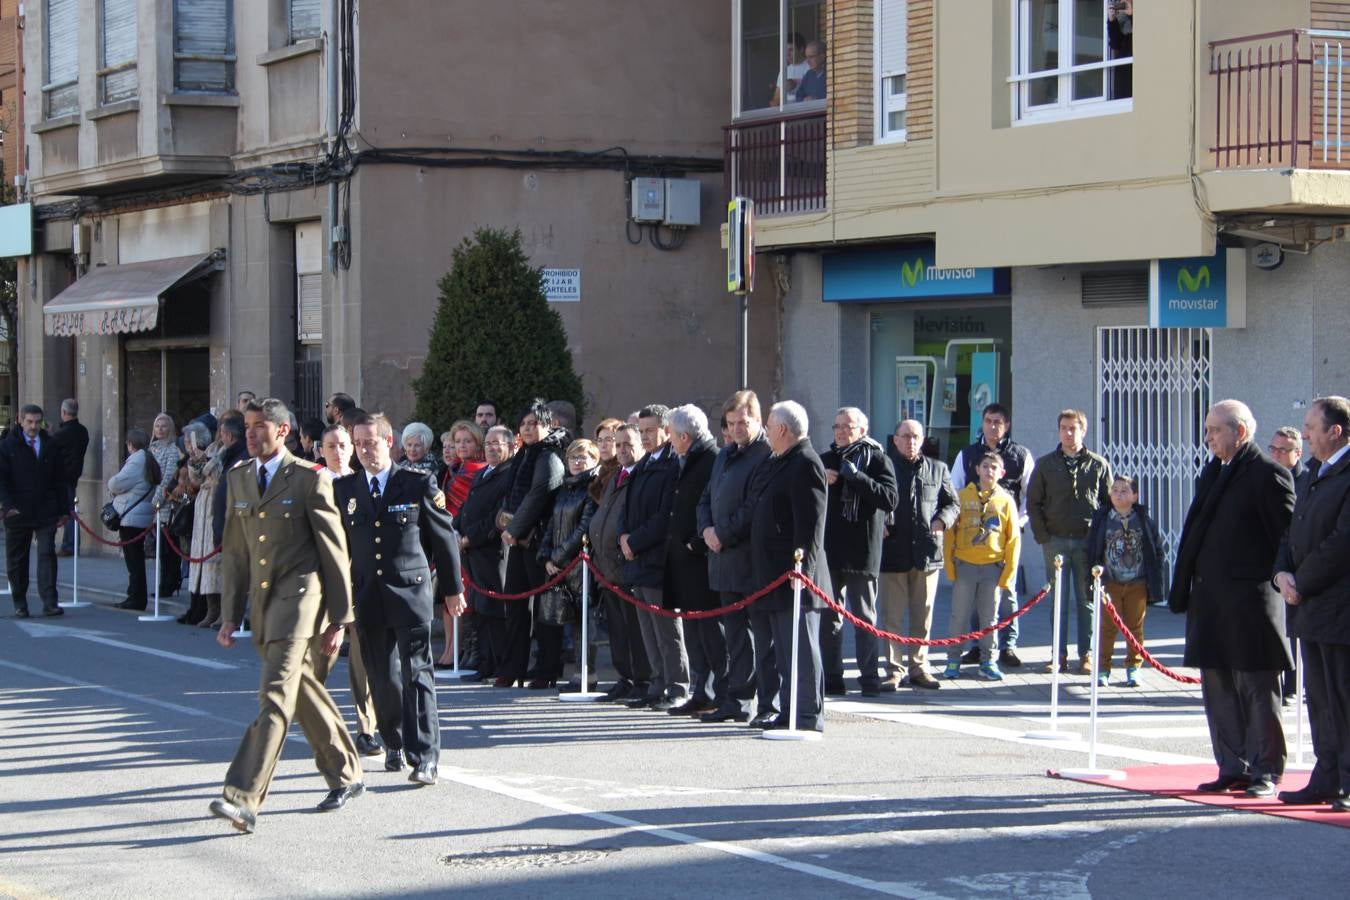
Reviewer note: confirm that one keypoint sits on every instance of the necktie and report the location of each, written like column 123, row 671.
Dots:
column 262, row 480
column 32, row 442
column 375, row 489
column 623, row 476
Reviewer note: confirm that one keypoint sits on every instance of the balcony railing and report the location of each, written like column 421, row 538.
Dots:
column 1281, row 100
column 777, row 162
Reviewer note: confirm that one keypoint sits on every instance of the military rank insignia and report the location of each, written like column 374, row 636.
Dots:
column 351, row 506
column 439, row 500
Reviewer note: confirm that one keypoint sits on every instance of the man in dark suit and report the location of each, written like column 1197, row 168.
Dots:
column 1286, row 448
column 788, row 491
column 1314, row 578
column 480, row 544
column 33, row 499
column 398, row 527
column 1235, row 630
column 73, row 440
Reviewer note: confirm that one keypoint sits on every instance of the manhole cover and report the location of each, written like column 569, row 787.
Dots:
column 528, row 856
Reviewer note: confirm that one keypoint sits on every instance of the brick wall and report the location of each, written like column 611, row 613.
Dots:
column 852, row 72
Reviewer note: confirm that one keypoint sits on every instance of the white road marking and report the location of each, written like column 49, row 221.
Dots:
column 111, row 692
column 39, row 630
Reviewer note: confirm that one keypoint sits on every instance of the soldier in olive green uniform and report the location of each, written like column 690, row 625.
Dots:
column 284, row 546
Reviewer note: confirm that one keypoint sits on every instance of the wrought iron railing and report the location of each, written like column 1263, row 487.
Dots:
column 778, row 162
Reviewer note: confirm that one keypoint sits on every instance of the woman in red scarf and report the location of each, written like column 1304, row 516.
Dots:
column 462, row 451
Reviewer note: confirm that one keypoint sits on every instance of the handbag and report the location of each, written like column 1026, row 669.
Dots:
column 111, row 518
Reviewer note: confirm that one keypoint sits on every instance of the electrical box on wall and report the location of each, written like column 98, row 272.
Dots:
column 649, row 199
column 682, row 201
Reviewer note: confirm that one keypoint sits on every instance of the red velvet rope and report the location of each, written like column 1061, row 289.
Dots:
column 183, row 556
column 1139, row 648
column 687, row 613
column 93, row 534
column 523, row 595
column 901, row 639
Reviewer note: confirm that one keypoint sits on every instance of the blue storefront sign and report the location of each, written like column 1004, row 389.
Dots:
column 1199, row 291
column 904, row 273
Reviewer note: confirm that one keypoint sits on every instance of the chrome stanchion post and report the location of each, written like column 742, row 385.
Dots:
column 791, row 733
column 75, row 602
column 454, row 644
column 1054, row 734
column 159, row 567
column 1298, row 763
column 1092, row 771
column 583, row 692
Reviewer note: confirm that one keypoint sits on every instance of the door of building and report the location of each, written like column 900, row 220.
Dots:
column 176, row 380
column 1154, row 387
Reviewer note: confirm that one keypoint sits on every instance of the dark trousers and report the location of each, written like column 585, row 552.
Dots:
column 1326, row 679
column 403, row 685
column 1243, row 711
column 810, row 675
column 858, row 593
column 626, row 650
column 767, row 679
column 524, row 572
column 491, row 644
column 548, row 664
column 740, row 689
column 18, row 539
column 707, row 644
column 134, row 556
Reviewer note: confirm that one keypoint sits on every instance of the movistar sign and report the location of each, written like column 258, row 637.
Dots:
column 1198, row 292
column 904, row 272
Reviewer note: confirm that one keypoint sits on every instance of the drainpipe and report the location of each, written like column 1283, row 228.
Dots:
column 334, row 60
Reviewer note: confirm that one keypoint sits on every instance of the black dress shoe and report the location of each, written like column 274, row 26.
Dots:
column 1308, row 796
column 639, row 702
column 1261, row 787
column 835, row 689
column 423, row 773
column 368, row 746
column 237, row 816
column 1224, row 783
column 1341, row 804
column 138, row 605
column 52, row 612
column 725, row 715
column 22, row 613
column 620, row 692
column 338, row 797
column 764, row 720
column 393, row 760
column 972, row 655
column 871, row 690
column 1008, row 658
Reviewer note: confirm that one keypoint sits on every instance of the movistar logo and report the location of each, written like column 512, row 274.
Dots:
column 911, row 274
column 1190, row 284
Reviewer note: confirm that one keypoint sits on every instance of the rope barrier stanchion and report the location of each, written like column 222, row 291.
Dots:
column 1092, row 771
column 1299, row 764
column 1054, row 734
column 791, row 733
column 583, row 693
column 156, row 616
column 453, row 671
column 75, row 602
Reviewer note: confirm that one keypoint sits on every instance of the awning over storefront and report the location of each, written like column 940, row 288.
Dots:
column 121, row 299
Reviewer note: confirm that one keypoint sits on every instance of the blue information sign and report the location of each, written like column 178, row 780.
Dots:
column 904, row 273
column 1198, row 291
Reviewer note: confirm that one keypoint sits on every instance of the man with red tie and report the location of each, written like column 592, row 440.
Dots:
column 33, row 503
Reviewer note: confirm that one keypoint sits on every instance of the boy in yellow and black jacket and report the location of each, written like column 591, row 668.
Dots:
column 981, row 552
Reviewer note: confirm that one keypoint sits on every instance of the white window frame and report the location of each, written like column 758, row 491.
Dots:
column 108, row 69
column 1065, row 107
column 885, row 99
column 62, row 81
column 784, row 106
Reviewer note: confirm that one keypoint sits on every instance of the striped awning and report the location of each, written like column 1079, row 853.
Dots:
column 120, row 299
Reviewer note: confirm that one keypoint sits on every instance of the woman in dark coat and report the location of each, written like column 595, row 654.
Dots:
column 535, row 479
column 480, row 543
column 561, row 605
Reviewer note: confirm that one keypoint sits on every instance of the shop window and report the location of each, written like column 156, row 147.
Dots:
column 117, row 51
column 1072, row 58
column 891, row 55
column 61, row 81
column 302, row 20
column 203, row 46
column 779, row 56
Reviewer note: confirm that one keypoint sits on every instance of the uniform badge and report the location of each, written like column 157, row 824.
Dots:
column 351, row 506
column 439, row 499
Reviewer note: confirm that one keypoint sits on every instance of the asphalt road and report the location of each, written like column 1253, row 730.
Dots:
column 116, row 734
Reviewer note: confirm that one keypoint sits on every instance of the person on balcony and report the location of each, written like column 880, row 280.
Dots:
column 812, row 85
column 794, row 69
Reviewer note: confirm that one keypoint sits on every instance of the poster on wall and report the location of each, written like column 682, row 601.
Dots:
column 983, row 388
column 911, row 391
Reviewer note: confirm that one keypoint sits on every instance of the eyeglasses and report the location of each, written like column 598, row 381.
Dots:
column 582, row 458
column 1274, row 449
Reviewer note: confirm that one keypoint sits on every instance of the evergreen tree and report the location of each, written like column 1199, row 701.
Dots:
column 494, row 337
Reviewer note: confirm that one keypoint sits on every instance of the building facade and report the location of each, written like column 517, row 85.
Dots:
column 1132, row 209
column 264, row 195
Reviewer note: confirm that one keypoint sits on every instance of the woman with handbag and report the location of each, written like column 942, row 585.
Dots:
column 132, row 512
column 561, row 604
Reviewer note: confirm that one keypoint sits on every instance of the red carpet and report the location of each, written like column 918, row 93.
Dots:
column 1180, row 782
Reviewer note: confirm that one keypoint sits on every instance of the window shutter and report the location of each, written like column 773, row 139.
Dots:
column 203, row 29
column 119, row 47
column 1115, row 288
column 63, row 57
column 309, row 282
column 304, row 20
column 892, row 28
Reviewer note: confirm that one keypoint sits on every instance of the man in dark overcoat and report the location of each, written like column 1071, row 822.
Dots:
column 789, row 495
column 397, row 528
column 1314, row 578
column 33, row 498
column 1235, row 631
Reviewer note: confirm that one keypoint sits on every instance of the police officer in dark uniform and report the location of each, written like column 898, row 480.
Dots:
column 397, row 528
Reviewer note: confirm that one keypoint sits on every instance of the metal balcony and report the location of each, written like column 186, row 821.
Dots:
column 778, row 162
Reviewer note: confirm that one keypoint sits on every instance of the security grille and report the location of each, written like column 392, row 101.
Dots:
column 1154, row 386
